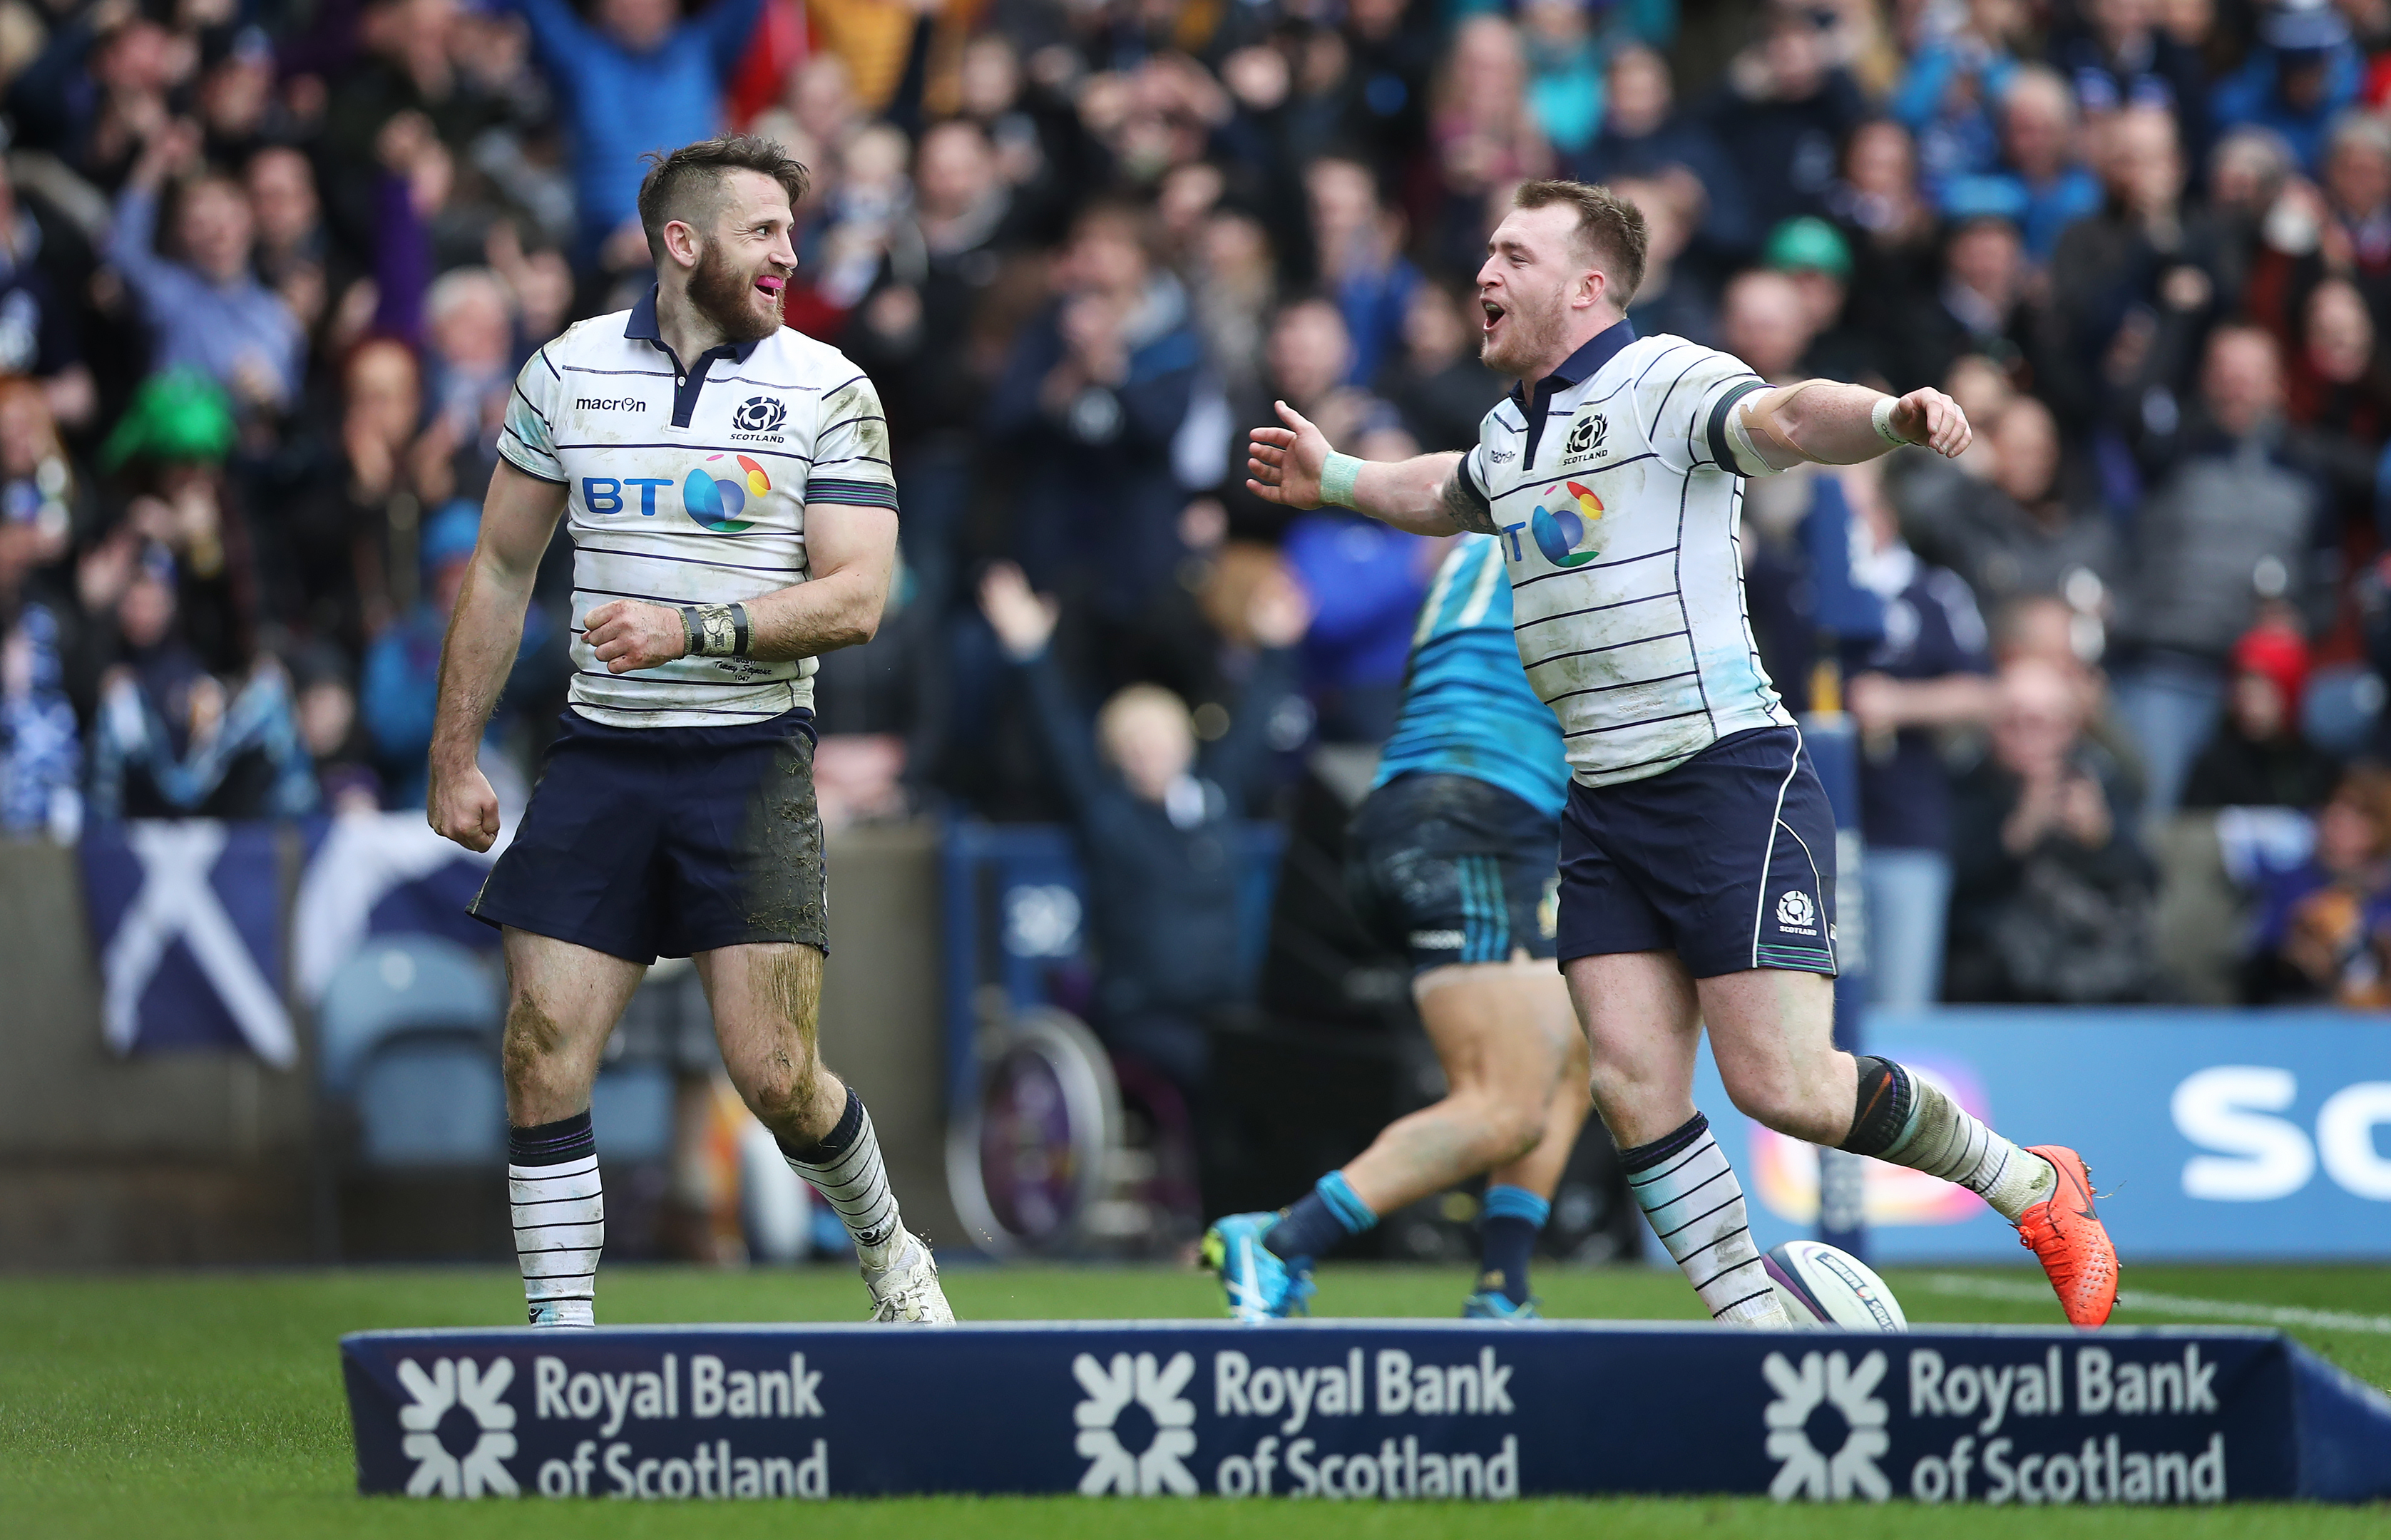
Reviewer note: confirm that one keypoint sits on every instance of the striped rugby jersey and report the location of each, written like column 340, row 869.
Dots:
column 1615, row 496
column 692, row 487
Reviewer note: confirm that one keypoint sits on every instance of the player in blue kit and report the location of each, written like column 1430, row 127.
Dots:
column 1452, row 862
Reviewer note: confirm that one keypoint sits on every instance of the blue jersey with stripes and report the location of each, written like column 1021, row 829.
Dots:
column 1467, row 706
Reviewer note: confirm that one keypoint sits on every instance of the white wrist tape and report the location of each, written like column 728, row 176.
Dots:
column 1336, row 478
column 1881, row 416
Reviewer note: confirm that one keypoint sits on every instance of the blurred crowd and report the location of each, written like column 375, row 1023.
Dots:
column 268, row 268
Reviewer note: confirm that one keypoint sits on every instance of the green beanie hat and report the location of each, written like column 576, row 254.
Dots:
column 180, row 415
column 1809, row 244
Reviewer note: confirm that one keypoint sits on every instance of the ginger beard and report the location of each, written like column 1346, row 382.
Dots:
column 742, row 303
column 1519, row 330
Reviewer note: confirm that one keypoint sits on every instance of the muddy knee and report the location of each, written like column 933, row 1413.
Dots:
column 532, row 1038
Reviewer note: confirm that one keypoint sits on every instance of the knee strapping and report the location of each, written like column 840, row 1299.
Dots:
column 1887, row 1099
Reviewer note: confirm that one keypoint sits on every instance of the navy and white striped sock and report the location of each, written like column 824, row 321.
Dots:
column 1508, row 1226
column 559, row 1218
column 1685, row 1187
column 1911, row 1122
column 845, row 1167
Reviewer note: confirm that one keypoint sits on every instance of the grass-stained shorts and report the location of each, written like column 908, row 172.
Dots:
column 667, row 841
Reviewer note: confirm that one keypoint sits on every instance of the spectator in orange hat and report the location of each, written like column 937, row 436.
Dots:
column 2258, row 759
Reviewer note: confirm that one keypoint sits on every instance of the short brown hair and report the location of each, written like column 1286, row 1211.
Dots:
column 687, row 182
column 1609, row 229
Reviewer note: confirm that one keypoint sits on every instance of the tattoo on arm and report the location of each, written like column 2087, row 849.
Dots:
column 1462, row 504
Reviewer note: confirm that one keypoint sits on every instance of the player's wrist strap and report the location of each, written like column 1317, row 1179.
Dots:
column 1336, row 478
column 715, row 630
column 1881, row 416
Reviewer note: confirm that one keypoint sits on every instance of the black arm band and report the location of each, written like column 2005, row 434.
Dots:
column 719, row 630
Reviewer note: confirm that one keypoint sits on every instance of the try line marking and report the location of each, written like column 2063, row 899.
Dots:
column 2171, row 1304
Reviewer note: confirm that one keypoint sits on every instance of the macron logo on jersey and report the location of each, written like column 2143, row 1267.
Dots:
column 607, row 404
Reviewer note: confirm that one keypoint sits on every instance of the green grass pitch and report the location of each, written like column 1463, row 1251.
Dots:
column 210, row 1405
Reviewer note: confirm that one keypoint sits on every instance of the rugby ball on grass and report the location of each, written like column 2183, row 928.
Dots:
column 1821, row 1287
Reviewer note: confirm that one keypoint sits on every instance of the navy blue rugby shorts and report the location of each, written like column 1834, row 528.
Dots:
column 668, row 841
column 1727, row 860
column 1448, row 869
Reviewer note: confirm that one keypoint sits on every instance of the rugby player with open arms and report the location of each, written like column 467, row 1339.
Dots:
column 1697, row 849
column 733, row 514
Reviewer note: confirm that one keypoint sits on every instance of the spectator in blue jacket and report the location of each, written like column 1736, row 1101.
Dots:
column 207, row 311
column 1154, row 818
column 636, row 80
column 2299, row 78
column 2041, row 183
column 401, row 679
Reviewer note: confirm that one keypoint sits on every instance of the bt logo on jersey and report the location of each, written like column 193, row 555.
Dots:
column 708, row 499
column 717, row 502
column 1563, row 528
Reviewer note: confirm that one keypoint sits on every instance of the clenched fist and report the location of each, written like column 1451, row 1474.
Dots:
column 461, row 806
column 1930, row 417
column 628, row 634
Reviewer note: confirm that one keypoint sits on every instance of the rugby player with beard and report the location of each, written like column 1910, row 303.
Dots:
column 726, row 485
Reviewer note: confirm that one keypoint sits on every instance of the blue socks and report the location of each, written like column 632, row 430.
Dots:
column 1508, row 1226
column 1319, row 1220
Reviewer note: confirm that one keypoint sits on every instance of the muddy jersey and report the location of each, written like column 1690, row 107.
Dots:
column 690, row 486
column 1615, row 496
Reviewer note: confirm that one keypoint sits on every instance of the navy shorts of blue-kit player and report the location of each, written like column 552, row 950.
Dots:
column 667, row 841
column 1726, row 859
column 1451, row 869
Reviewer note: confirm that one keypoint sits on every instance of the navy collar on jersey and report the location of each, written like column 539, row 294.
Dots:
column 643, row 327
column 1578, row 367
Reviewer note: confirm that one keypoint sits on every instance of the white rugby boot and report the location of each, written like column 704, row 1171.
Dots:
column 906, row 1288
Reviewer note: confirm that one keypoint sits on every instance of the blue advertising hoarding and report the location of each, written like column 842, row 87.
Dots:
column 2217, row 1134
column 1363, row 1410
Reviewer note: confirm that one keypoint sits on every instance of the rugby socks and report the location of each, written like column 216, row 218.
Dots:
column 1509, row 1224
column 845, row 1167
column 559, row 1218
column 1688, row 1192
column 1911, row 1122
column 1318, row 1220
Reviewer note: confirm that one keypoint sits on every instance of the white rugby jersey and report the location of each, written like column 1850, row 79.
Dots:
column 1616, row 496
column 690, row 487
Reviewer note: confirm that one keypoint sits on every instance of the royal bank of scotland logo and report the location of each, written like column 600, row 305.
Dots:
column 1111, row 1389
column 453, row 1383
column 1827, row 1379
column 761, row 414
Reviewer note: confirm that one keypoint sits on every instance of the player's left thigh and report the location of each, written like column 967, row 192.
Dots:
column 767, row 1002
column 1773, row 1034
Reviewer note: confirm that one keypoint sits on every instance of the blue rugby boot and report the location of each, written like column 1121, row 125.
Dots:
column 1492, row 1304
column 1261, row 1284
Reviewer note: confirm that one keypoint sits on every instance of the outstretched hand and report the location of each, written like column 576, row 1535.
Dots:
column 1022, row 618
column 1283, row 464
column 1933, row 419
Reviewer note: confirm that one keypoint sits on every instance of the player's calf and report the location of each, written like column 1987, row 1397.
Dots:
column 2045, row 1191
column 1909, row 1121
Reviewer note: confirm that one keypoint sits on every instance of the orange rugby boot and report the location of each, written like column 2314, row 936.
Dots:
column 2065, row 1234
